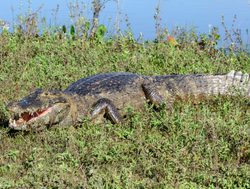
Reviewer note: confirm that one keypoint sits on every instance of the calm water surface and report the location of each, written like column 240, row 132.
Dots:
column 198, row 14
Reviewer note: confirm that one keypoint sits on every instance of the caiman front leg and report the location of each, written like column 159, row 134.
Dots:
column 107, row 107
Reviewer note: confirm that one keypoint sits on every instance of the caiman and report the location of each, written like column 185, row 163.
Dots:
column 107, row 95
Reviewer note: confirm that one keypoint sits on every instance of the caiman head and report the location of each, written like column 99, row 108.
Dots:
column 38, row 110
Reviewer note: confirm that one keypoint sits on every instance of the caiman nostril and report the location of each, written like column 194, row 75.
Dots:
column 9, row 105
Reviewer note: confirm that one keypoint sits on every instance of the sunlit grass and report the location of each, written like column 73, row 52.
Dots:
column 195, row 145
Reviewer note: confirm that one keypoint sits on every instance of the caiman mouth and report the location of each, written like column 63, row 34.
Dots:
column 21, row 120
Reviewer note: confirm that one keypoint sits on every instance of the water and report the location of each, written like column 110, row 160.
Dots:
column 198, row 14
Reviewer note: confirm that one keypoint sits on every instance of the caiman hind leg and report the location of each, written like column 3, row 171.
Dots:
column 152, row 95
column 106, row 106
column 155, row 98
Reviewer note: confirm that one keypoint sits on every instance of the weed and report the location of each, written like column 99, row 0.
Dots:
column 195, row 145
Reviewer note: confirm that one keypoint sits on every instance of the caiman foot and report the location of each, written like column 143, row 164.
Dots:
column 106, row 106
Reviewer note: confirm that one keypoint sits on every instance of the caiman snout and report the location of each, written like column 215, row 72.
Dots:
column 38, row 109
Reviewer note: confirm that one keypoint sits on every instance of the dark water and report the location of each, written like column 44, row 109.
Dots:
column 198, row 14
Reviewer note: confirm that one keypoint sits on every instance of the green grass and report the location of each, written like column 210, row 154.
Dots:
column 204, row 145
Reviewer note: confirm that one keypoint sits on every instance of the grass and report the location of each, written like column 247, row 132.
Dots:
column 202, row 145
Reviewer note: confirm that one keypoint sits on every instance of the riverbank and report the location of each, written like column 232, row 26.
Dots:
column 203, row 145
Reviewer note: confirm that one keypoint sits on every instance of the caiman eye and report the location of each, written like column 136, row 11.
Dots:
column 45, row 94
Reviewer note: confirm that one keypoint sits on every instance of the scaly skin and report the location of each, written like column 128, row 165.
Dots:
column 110, row 93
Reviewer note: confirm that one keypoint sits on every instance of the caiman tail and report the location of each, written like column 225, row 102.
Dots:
column 233, row 83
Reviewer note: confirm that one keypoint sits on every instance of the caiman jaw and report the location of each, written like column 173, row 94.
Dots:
column 20, row 121
column 38, row 110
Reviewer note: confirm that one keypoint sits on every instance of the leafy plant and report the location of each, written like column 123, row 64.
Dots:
column 201, row 144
